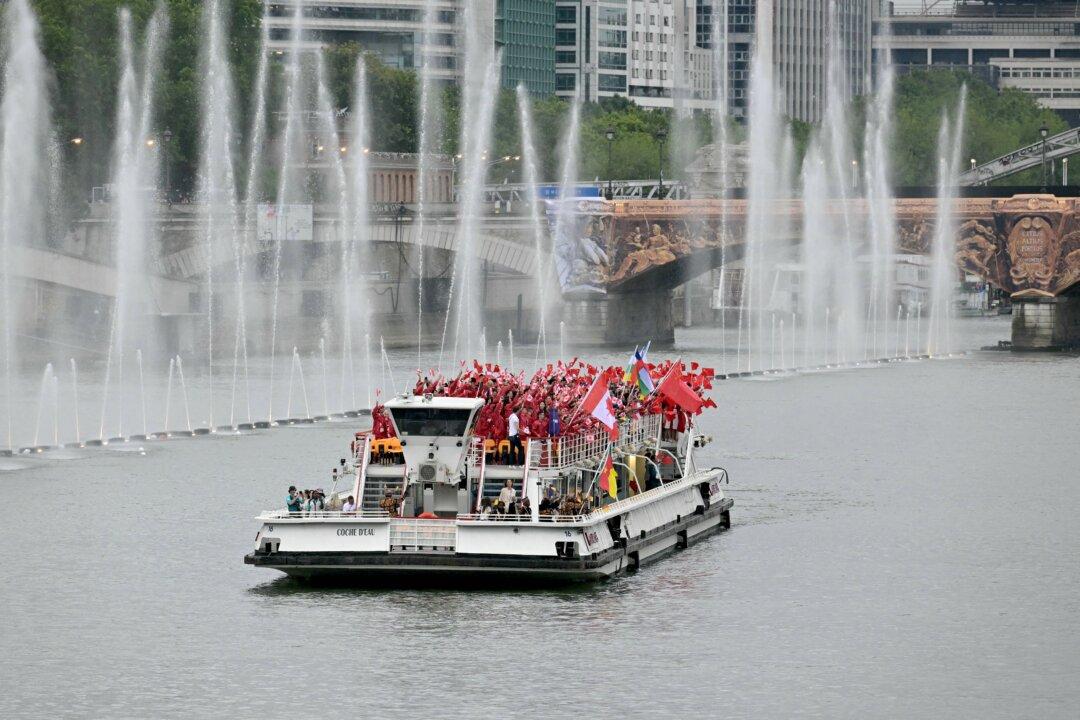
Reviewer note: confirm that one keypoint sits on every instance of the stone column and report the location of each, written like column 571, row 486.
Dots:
column 637, row 317
column 1046, row 323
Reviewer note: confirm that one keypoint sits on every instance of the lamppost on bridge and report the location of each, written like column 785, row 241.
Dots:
column 610, row 135
column 167, row 137
column 1065, row 171
column 1043, row 132
column 661, row 136
column 972, row 164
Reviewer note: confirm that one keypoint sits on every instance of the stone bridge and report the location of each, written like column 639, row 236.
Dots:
column 639, row 250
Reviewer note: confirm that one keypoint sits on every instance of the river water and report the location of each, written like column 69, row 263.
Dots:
column 904, row 544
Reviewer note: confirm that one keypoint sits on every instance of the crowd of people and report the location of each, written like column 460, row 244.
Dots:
column 553, row 505
column 305, row 501
column 548, row 404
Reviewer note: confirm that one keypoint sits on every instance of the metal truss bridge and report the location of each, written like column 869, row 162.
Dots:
column 1032, row 156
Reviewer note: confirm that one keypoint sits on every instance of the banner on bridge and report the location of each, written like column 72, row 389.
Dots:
column 284, row 222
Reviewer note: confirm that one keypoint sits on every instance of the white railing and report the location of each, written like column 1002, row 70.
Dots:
column 597, row 513
column 323, row 515
column 495, row 517
column 362, row 468
column 416, row 534
column 571, row 450
column 640, row 431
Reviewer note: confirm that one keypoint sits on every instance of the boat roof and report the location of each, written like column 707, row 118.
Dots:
column 441, row 403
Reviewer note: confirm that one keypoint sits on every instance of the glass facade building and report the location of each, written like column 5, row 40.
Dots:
column 525, row 32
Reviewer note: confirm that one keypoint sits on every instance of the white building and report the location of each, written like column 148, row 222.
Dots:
column 649, row 49
column 1032, row 46
column 393, row 31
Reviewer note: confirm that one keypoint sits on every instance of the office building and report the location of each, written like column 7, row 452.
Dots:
column 395, row 32
column 1032, row 46
column 660, row 52
column 525, row 32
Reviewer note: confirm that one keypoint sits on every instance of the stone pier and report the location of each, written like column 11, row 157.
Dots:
column 637, row 317
column 1046, row 323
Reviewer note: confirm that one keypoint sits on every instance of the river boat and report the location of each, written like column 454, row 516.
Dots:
column 424, row 514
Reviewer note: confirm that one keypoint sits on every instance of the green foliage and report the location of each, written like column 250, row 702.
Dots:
column 81, row 43
column 995, row 123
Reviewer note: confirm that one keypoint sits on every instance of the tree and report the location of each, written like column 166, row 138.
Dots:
column 996, row 123
column 81, row 44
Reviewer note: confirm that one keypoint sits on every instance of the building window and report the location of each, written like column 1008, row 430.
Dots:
column 612, row 83
column 565, row 56
column 565, row 81
column 565, row 36
column 565, row 14
column 612, row 60
column 612, row 38
column 612, row 16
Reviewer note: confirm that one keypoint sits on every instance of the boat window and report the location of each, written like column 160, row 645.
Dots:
column 431, row 421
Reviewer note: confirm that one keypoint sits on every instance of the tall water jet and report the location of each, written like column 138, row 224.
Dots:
column 764, row 179
column 943, row 249
column 256, row 138
column 24, row 144
column 338, row 190
column 430, row 136
column 134, row 177
column 816, row 249
column 217, row 175
column 841, row 164
column 357, row 254
column 882, row 214
column 481, row 80
column 286, row 182
column 528, row 154
column 719, row 42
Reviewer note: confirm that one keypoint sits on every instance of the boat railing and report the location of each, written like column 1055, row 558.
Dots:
column 568, row 451
column 499, row 518
column 323, row 514
column 602, row 511
column 422, row 534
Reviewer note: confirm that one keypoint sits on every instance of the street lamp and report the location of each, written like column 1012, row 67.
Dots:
column 972, row 164
column 610, row 135
column 76, row 141
column 167, row 137
column 1043, row 132
column 1065, row 171
column 854, row 174
column 661, row 136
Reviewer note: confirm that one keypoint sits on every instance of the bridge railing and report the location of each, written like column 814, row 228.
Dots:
column 1025, row 158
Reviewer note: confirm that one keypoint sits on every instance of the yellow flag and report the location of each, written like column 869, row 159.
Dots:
column 609, row 479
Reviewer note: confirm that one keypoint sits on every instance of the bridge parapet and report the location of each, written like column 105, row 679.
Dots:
column 1027, row 245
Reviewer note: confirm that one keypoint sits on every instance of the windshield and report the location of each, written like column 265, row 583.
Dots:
column 431, row 421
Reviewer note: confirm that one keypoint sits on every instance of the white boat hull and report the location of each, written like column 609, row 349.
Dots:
column 392, row 551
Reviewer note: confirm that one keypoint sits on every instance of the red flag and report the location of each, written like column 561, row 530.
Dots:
column 599, row 404
column 674, row 388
